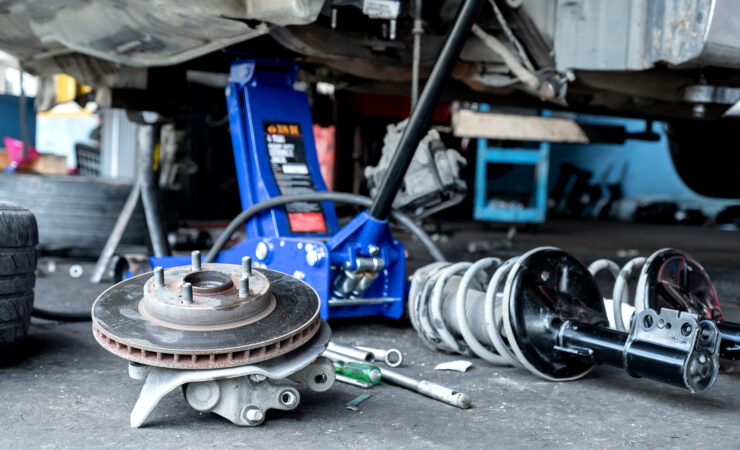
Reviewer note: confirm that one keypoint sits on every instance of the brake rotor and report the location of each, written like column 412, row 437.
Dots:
column 158, row 322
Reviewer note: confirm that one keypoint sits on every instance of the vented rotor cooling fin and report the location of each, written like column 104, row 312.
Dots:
column 185, row 319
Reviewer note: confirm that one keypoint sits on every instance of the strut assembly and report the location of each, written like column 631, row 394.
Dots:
column 669, row 278
column 543, row 311
column 225, row 333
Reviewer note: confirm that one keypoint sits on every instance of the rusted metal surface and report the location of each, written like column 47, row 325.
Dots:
column 206, row 360
column 280, row 314
column 139, row 33
column 216, row 306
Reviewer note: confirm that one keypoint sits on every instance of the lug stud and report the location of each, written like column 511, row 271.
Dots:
column 158, row 276
column 195, row 260
column 187, row 293
column 247, row 266
column 244, row 286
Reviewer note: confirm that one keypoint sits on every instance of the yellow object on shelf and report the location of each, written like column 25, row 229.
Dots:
column 67, row 88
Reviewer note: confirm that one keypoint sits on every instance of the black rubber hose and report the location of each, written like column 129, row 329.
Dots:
column 61, row 316
column 336, row 197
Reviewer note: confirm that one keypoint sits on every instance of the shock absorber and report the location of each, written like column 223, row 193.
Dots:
column 543, row 311
column 671, row 278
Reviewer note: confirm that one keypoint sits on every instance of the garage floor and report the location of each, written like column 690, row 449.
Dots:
column 69, row 392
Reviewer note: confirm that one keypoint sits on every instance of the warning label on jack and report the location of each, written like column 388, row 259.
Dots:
column 290, row 169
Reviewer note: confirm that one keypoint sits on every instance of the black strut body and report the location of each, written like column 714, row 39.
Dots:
column 729, row 347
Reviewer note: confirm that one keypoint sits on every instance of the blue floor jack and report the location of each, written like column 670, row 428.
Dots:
column 358, row 270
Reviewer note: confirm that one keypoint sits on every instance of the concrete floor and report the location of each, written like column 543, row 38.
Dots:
column 66, row 391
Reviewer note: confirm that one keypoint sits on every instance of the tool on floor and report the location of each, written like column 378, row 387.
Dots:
column 543, row 311
column 225, row 333
column 361, row 372
column 669, row 278
column 423, row 387
column 352, row 381
column 354, row 404
column 357, row 270
column 352, row 352
column 392, row 357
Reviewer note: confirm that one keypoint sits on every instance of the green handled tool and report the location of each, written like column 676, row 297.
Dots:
column 361, row 372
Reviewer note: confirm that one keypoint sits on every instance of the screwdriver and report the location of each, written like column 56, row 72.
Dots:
column 360, row 372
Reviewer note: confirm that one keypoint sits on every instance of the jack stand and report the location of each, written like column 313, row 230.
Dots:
column 143, row 187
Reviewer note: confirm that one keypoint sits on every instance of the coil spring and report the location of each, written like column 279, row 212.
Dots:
column 667, row 266
column 621, row 306
column 438, row 298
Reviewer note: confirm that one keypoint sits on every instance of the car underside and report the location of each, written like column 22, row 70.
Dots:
column 673, row 60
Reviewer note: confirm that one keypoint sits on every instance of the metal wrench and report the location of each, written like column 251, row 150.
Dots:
column 392, row 356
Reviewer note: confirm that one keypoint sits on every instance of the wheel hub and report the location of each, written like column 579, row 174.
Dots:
column 236, row 333
column 204, row 319
column 215, row 305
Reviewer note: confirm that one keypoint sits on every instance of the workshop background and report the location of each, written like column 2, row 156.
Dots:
column 371, row 223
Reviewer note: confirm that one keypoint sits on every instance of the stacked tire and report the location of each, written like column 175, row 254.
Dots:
column 18, row 239
column 74, row 212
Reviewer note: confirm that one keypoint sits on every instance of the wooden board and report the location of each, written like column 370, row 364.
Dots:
column 474, row 124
